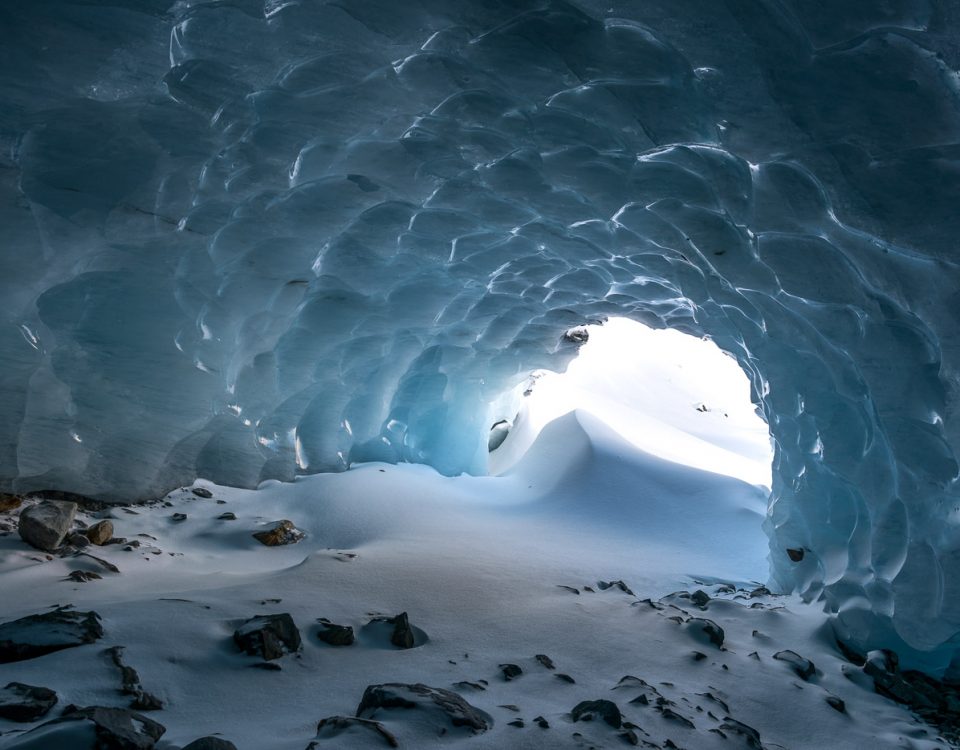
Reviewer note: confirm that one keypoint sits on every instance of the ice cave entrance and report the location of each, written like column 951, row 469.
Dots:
column 673, row 395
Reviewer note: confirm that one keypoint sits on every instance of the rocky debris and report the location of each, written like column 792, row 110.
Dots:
column 228, row 516
column 448, row 707
column 565, row 678
column 545, row 661
column 335, row 635
column 541, row 722
column 210, row 743
column 803, row 668
column 202, row 492
column 571, row 589
column 83, row 576
column 9, row 502
column 705, row 631
column 19, row 702
column 100, row 533
column 268, row 636
column 604, row 585
column 130, row 683
column 748, row 734
column 283, row 532
column 668, row 713
column 45, row 524
column 334, row 726
column 701, row 598
column 36, row 635
column 402, row 636
column 510, row 671
column 518, row 723
column 113, row 729
column 599, row 709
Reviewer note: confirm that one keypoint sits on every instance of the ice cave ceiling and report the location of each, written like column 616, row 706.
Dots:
column 242, row 239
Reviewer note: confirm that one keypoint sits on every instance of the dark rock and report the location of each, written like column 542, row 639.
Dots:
column 671, row 715
column 19, row 702
column 267, row 666
column 447, row 706
column 577, row 335
column 795, row 554
column 836, row 704
column 565, row 678
column 803, row 668
column 466, row 685
column 541, row 722
column 630, row 737
column 114, row 729
column 334, row 726
column 699, row 656
column 210, row 743
column 518, row 723
column 510, row 671
column 100, row 533
column 545, row 661
column 748, row 734
column 78, row 540
column 178, row 517
column 283, row 532
column 202, row 492
column 571, row 589
column 599, row 709
column 9, row 502
column 705, row 631
column 228, row 516
column 700, row 598
column 45, row 524
column 130, row 683
column 335, row 635
column 84, row 576
column 604, row 585
column 36, row 635
column 402, row 636
column 268, row 636
column 918, row 693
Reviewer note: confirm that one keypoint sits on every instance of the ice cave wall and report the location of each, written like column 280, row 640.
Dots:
column 245, row 239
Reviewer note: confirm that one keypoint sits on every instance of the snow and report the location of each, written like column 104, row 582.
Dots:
column 482, row 566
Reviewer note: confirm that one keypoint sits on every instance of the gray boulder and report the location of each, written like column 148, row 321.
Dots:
column 45, row 524
column 94, row 728
column 445, row 707
column 19, row 702
column 36, row 635
column 268, row 636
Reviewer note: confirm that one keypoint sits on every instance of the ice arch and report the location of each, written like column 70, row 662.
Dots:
column 243, row 238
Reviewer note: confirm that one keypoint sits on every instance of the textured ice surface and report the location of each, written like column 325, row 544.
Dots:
column 244, row 239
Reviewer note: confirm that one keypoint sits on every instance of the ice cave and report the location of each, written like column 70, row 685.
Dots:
column 246, row 241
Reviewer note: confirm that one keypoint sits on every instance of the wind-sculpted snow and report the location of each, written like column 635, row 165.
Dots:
column 243, row 240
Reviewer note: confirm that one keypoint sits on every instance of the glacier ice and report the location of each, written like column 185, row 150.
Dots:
column 248, row 238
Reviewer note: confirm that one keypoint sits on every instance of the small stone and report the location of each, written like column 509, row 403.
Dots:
column 510, row 671
column 45, row 524
column 545, row 661
column 836, row 704
column 228, row 516
column 78, row 540
column 803, row 668
column 267, row 666
column 268, row 636
column 84, row 576
column 599, row 709
column 748, row 734
column 700, row 598
column 706, row 631
column 565, row 678
column 518, row 723
column 402, row 636
column 541, row 722
column 19, row 702
column 604, row 585
column 336, row 635
column 210, row 743
column 178, row 517
column 100, row 533
column 283, row 532
column 202, row 492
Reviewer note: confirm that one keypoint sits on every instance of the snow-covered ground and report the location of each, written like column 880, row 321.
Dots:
column 492, row 571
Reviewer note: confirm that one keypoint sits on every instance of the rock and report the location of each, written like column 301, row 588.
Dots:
column 36, row 635
column 335, row 635
column 100, row 533
column 700, row 598
column 402, row 636
column 795, row 554
column 178, row 517
column 84, row 576
column 446, row 707
column 94, row 728
column 210, row 743
column 228, row 516
column 268, row 635
column 78, row 540
column 705, row 631
column 9, row 502
column 45, row 524
column 837, row 704
column 599, row 709
column 671, row 715
column 804, row 668
column 565, row 678
column 518, row 723
column 334, row 726
column 545, row 661
column 604, row 585
column 283, row 532
column 750, row 736
column 510, row 671
column 19, row 702
column 130, row 683
column 577, row 335
column 202, row 492
column 541, row 722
